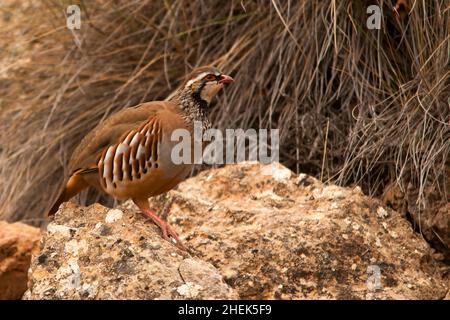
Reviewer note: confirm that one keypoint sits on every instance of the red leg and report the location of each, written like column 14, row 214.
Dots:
column 166, row 229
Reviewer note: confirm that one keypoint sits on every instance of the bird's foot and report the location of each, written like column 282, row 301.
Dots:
column 167, row 231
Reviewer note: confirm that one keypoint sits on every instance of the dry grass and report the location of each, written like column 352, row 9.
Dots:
column 310, row 68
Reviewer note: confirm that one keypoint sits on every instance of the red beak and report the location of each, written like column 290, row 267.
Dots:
column 224, row 79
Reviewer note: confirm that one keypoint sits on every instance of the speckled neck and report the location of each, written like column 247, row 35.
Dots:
column 194, row 108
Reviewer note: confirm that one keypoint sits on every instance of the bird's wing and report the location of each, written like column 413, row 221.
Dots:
column 85, row 157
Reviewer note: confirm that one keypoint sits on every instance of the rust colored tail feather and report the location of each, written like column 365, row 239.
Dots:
column 75, row 185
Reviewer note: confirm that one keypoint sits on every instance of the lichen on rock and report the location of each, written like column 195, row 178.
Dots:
column 255, row 232
column 115, row 254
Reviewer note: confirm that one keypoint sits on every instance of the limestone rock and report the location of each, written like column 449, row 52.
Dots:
column 432, row 218
column 101, row 253
column 270, row 234
column 275, row 235
column 17, row 242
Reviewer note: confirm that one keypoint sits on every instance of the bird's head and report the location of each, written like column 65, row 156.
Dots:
column 203, row 83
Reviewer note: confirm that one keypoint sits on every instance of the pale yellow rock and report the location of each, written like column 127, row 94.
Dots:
column 258, row 233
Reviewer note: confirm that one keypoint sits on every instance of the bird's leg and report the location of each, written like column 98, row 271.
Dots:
column 166, row 229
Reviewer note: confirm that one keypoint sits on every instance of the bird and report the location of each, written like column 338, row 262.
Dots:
column 128, row 155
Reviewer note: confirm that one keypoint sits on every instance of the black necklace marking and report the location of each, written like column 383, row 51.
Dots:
column 201, row 103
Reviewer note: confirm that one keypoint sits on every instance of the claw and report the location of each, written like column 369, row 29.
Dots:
column 167, row 232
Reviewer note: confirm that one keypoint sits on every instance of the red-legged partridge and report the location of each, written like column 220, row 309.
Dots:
column 129, row 154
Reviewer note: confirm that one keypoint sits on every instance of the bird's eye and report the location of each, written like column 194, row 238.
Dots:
column 210, row 77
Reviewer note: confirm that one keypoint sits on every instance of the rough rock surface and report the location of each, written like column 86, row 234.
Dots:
column 269, row 233
column 273, row 234
column 433, row 220
column 101, row 253
column 17, row 242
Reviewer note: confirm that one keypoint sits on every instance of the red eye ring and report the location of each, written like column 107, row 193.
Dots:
column 210, row 77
